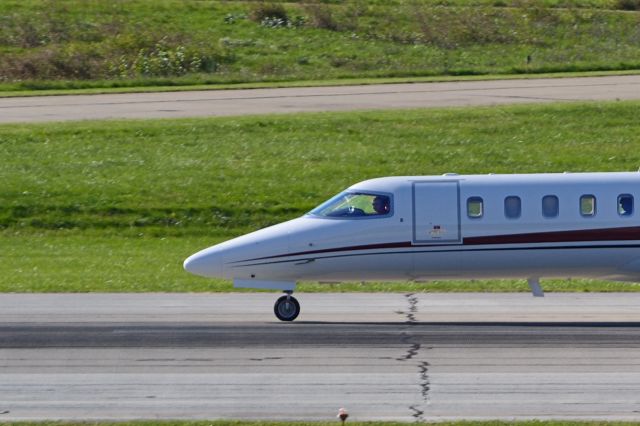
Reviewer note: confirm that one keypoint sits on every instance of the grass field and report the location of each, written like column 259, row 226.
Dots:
column 66, row 44
column 117, row 206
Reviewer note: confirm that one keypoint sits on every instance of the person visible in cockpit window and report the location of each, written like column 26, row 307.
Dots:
column 381, row 205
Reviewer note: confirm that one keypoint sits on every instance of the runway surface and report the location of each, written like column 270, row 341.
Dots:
column 339, row 98
column 382, row 356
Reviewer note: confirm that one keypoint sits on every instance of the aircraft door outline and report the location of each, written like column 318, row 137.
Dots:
column 436, row 212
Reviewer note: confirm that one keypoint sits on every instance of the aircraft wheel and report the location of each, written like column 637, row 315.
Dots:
column 286, row 308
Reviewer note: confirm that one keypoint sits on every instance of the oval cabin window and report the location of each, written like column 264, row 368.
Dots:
column 512, row 207
column 475, row 208
column 588, row 205
column 550, row 206
column 625, row 205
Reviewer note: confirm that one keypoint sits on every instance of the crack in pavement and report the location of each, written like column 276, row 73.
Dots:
column 412, row 352
column 425, row 383
column 413, row 308
column 417, row 413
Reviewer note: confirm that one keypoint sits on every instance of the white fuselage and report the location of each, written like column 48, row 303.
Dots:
column 447, row 227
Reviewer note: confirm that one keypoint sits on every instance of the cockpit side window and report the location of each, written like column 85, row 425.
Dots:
column 354, row 205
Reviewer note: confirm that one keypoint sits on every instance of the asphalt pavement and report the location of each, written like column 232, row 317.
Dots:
column 394, row 356
column 315, row 99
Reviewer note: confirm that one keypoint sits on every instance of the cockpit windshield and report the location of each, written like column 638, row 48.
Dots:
column 354, row 204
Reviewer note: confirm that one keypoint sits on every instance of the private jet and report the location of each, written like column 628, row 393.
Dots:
column 421, row 228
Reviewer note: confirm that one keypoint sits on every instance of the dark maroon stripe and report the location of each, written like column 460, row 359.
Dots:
column 348, row 248
column 580, row 235
column 606, row 234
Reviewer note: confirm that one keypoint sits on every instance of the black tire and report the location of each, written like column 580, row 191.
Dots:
column 286, row 308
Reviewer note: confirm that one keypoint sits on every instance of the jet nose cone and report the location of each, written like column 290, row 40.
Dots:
column 207, row 263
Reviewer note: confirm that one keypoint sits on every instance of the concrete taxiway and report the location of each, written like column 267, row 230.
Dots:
column 382, row 356
column 337, row 98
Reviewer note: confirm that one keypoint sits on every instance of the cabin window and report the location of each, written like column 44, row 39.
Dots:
column 512, row 207
column 550, row 206
column 588, row 205
column 475, row 207
column 625, row 205
column 354, row 205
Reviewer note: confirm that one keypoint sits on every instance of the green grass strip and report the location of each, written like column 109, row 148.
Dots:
column 117, row 206
column 82, row 262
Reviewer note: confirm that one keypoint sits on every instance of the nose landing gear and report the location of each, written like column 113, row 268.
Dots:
column 286, row 307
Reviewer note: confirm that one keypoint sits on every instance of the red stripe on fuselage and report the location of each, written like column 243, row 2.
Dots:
column 579, row 235
column 404, row 244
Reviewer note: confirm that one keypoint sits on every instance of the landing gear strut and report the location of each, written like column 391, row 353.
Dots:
column 536, row 289
column 287, row 307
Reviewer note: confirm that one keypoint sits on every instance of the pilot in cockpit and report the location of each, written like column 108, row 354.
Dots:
column 381, row 204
